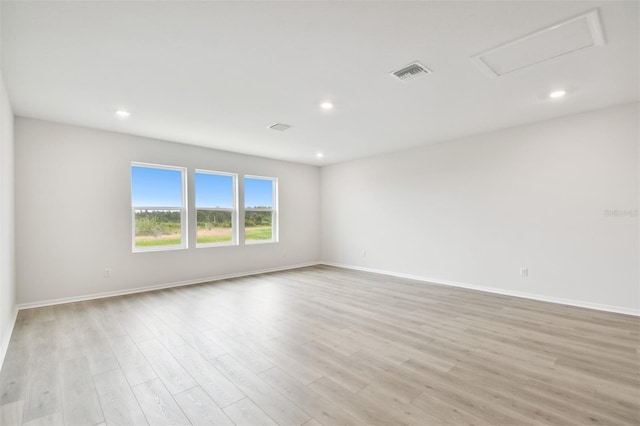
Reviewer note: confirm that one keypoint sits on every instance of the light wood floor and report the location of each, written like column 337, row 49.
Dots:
column 320, row 346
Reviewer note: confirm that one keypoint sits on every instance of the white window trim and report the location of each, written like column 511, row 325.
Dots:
column 275, row 237
column 184, row 237
column 234, row 210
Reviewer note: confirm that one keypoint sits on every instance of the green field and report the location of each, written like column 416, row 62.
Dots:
column 258, row 233
column 251, row 234
column 158, row 242
column 214, row 239
column 162, row 228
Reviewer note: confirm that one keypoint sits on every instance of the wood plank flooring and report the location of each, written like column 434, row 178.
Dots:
column 320, row 346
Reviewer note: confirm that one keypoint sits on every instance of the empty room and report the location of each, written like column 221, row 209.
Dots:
column 315, row 213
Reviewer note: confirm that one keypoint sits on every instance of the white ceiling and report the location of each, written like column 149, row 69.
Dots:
column 217, row 74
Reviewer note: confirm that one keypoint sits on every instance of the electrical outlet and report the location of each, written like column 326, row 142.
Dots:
column 524, row 272
column 107, row 273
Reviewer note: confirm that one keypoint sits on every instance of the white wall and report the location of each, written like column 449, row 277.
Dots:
column 7, row 248
column 73, row 219
column 470, row 212
column 473, row 211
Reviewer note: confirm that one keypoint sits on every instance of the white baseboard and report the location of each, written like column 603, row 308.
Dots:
column 561, row 301
column 4, row 344
column 158, row 286
column 558, row 300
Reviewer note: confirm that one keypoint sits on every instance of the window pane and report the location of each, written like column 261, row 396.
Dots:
column 258, row 226
column 214, row 227
column 214, row 191
column 157, row 203
column 155, row 187
column 258, row 193
column 156, row 228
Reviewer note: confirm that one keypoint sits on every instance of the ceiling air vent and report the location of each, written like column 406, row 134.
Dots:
column 280, row 127
column 411, row 71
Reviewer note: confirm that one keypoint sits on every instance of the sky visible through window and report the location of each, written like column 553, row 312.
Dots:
column 214, row 191
column 156, row 187
column 258, row 193
column 153, row 187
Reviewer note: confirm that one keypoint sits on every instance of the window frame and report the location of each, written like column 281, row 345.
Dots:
column 184, row 236
column 275, row 237
column 234, row 208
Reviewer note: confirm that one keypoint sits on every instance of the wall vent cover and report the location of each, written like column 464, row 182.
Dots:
column 566, row 37
column 412, row 71
column 280, row 127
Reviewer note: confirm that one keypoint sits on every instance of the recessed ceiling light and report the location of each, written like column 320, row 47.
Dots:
column 122, row 113
column 319, row 155
column 557, row 94
column 326, row 106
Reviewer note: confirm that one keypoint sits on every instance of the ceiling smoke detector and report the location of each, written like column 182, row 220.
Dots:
column 281, row 127
column 412, row 71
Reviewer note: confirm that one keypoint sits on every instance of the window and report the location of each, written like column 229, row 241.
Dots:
column 260, row 209
column 158, row 207
column 216, row 210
